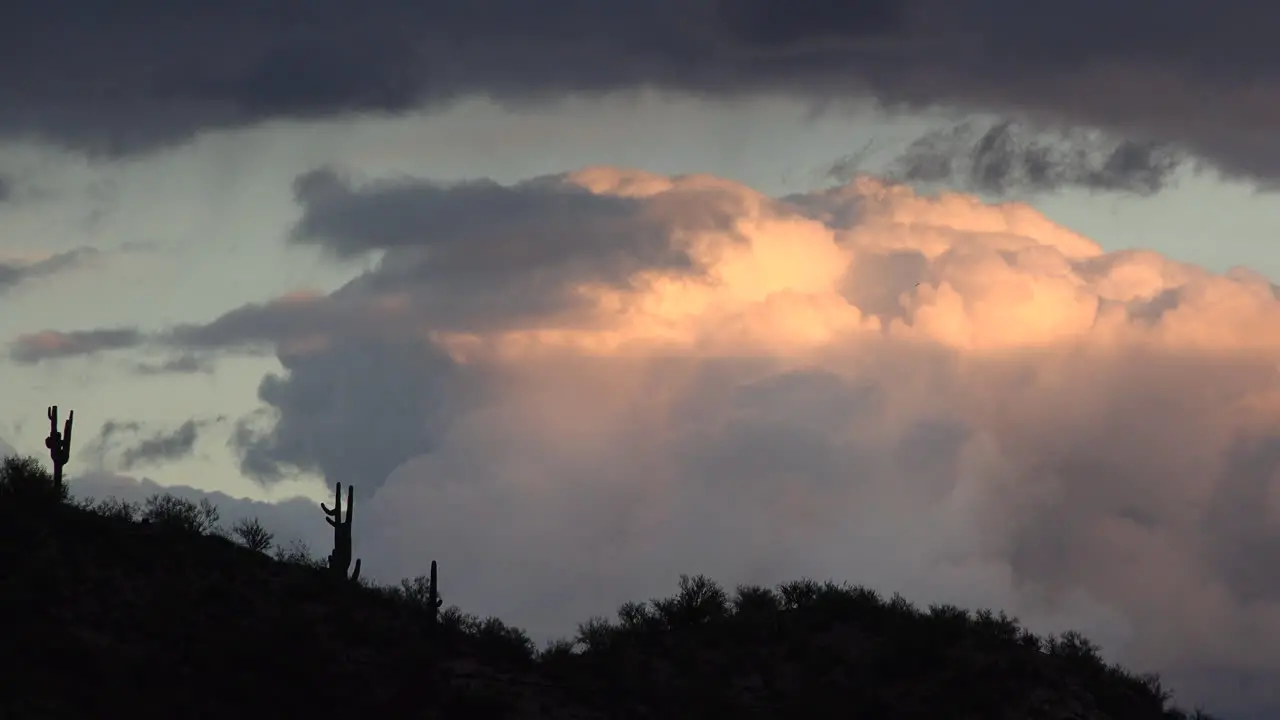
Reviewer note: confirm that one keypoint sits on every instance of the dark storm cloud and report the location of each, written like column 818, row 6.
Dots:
column 122, row 77
column 480, row 252
column 467, row 226
column 398, row 392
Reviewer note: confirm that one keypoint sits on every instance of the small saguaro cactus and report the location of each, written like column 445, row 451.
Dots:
column 433, row 597
column 340, row 558
column 59, row 443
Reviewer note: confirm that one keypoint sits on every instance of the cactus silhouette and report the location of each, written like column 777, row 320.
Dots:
column 340, row 558
column 433, row 597
column 59, row 443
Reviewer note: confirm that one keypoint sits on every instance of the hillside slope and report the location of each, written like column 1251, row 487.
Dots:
column 103, row 616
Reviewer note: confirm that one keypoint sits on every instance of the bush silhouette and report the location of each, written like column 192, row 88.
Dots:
column 251, row 534
column 638, row 617
column 172, row 512
column 699, row 600
column 167, row 618
column 297, row 553
column 756, row 601
column 596, row 634
column 25, row 481
column 114, row 508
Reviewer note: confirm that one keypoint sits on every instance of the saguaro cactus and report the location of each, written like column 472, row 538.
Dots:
column 340, row 558
column 59, row 443
column 433, row 597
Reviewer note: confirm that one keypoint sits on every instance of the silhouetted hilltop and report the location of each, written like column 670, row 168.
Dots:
column 109, row 616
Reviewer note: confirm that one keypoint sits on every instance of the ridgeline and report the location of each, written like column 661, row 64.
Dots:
column 152, row 611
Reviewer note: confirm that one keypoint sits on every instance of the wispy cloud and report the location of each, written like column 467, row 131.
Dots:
column 1008, row 159
column 126, row 439
column 15, row 273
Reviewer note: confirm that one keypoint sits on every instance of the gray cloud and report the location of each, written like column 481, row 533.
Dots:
column 6, row 188
column 183, row 364
column 1150, row 72
column 1006, row 159
column 402, row 395
column 161, row 447
column 124, row 438
column 13, row 274
column 480, row 248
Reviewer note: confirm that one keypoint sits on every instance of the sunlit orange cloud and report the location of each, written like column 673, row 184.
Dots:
column 994, row 278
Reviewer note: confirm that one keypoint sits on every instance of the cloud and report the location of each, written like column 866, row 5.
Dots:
column 159, row 447
column 1204, row 80
column 52, row 344
column 183, row 364
column 15, row 273
column 1006, row 159
column 961, row 401
column 6, row 188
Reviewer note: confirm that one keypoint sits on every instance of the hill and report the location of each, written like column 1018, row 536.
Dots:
column 153, row 612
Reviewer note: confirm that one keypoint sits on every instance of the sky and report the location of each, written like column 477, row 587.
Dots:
column 968, row 300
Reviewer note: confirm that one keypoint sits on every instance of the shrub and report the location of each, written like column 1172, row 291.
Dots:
column 114, row 507
column 416, row 591
column 699, row 600
column 501, row 641
column 252, row 535
column 453, row 618
column 637, row 616
column 24, row 480
column 557, row 649
column 596, row 634
column 298, row 553
column 756, row 601
column 799, row 593
column 181, row 514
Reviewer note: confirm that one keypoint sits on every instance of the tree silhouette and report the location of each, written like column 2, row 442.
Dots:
column 25, row 481
column 251, row 534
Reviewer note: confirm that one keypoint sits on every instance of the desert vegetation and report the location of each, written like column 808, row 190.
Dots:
column 154, row 609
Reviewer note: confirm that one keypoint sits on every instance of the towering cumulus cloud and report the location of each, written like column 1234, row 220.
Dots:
column 571, row 389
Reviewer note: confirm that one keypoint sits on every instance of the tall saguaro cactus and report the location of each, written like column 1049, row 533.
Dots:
column 340, row 558
column 59, row 443
column 433, row 597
